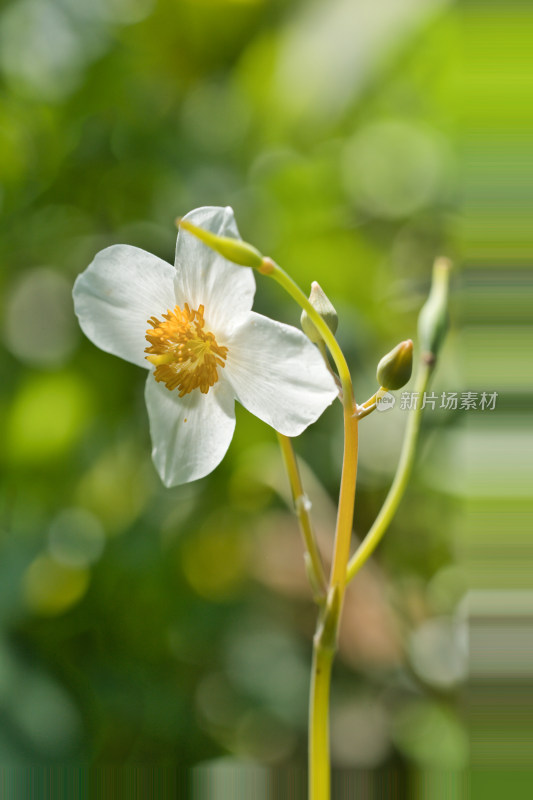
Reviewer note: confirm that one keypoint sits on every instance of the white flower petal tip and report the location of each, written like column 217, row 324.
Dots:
column 193, row 326
column 190, row 435
column 117, row 294
column 278, row 375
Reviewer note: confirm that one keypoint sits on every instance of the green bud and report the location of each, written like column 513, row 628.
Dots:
column 394, row 369
column 322, row 304
column 433, row 319
column 235, row 250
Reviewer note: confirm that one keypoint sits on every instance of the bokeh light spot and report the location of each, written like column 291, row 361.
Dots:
column 263, row 737
column 268, row 664
column 76, row 538
column 216, row 117
column 51, row 588
column 431, row 736
column 47, row 717
column 215, row 561
column 47, row 416
column 117, row 486
column 40, row 48
column 438, row 653
column 393, row 168
column 359, row 733
column 39, row 326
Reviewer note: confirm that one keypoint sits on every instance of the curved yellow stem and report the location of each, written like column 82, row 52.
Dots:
column 317, row 576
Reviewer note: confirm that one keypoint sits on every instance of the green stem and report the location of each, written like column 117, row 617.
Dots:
column 319, row 760
column 401, row 478
column 370, row 405
column 345, row 512
column 301, row 505
column 324, row 647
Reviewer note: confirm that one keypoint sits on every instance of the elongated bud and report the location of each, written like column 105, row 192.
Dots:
column 235, row 250
column 433, row 319
column 323, row 305
column 394, row 369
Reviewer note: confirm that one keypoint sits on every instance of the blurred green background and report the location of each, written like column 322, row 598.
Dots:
column 172, row 628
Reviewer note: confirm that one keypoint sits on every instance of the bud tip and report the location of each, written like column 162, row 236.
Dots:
column 323, row 306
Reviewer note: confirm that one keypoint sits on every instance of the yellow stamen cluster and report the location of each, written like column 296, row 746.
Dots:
column 185, row 356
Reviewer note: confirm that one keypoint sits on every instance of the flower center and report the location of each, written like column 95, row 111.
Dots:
column 185, row 356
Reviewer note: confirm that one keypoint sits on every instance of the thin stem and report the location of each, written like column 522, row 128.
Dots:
column 345, row 513
column 372, row 400
column 370, row 405
column 301, row 505
column 319, row 760
column 365, row 411
column 401, row 478
column 324, row 645
column 324, row 651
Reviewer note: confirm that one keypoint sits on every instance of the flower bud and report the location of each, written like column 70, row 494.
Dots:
column 394, row 369
column 235, row 250
column 322, row 304
column 433, row 319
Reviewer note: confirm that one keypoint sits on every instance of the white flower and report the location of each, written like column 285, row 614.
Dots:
column 192, row 326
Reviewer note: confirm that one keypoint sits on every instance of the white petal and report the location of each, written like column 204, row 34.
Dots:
column 117, row 294
column 190, row 434
column 278, row 375
column 205, row 277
